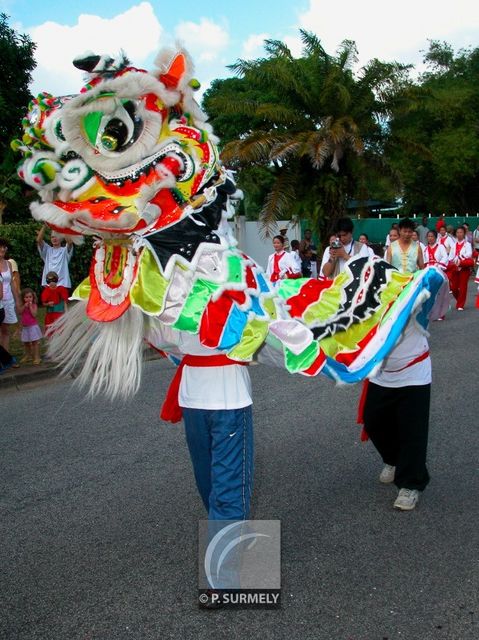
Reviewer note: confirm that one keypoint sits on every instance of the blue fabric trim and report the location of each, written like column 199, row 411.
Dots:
column 234, row 328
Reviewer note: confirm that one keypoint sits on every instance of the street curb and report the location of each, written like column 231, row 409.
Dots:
column 16, row 378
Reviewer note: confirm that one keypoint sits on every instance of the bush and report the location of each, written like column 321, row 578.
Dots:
column 23, row 249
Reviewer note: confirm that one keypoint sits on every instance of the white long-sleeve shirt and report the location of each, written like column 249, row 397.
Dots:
column 287, row 264
column 435, row 255
column 460, row 251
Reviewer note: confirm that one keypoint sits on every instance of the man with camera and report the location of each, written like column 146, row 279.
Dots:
column 342, row 249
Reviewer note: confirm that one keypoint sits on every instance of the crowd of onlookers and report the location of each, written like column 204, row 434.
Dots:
column 408, row 247
column 19, row 306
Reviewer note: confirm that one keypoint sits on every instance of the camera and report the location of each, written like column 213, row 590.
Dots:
column 336, row 244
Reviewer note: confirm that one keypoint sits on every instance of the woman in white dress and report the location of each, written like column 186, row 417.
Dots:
column 281, row 264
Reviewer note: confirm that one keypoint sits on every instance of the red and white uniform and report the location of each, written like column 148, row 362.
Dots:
column 435, row 256
column 282, row 265
column 446, row 241
column 460, row 264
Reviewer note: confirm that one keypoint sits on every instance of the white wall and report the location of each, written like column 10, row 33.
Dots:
column 251, row 238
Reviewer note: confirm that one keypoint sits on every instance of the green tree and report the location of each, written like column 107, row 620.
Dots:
column 440, row 113
column 16, row 64
column 314, row 125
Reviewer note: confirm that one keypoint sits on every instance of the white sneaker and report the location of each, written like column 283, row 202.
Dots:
column 407, row 499
column 387, row 474
column 460, row 309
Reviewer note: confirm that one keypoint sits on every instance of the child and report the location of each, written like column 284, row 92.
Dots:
column 31, row 332
column 54, row 298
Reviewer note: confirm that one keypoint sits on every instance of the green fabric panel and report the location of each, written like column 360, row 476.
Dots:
column 302, row 361
column 235, row 269
column 195, row 304
column 254, row 335
column 290, row 287
column 149, row 289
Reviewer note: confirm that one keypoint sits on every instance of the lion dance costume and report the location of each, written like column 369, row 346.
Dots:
column 131, row 162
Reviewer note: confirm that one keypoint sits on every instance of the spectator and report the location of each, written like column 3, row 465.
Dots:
column 55, row 257
column 6, row 358
column 434, row 254
column 445, row 239
column 415, row 237
column 308, row 254
column 31, row 332
column 475, row 240
column 365, row 240
column 393, row 235
column 451, row 232
column 441, row 221
column 468, row 233
column 422, row 230
column 11, row 295
column 335, row 257
column 281, row 264
column 394, row 227
column 460, row 266
column 404, row 253
column 54, row 298
column 295, row 255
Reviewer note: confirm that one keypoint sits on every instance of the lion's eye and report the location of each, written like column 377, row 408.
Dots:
column 120, row 129
column 114, row 129
column 115, row 135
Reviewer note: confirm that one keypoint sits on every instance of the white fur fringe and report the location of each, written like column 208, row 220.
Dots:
column 108, row 354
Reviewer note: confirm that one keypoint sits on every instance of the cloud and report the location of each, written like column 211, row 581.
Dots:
column 253, row 46
column 205, row 39
column 392, row 30
column 137, row 29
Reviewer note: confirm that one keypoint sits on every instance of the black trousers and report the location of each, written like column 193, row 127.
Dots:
column 397, row 422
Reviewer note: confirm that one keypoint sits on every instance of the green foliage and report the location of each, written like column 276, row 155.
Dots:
column 23, row 248
column 16, row 64
column 439, row 115
column 310, row 124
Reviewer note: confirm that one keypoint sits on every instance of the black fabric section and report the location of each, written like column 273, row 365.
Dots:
column 397, row 421
column 185, row 237
column 348, row 315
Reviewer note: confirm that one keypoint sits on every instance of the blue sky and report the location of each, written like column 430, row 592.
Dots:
column 217, row 34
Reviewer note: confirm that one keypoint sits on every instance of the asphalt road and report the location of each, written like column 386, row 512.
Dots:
column 99, row 514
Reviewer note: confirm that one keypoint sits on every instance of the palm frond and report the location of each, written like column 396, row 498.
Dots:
column 277, row 48
column 347, row 54
column 312, row 45
column 255, row 147
column 278, row 201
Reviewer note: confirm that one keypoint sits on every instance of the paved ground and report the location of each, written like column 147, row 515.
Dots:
column 99, row 514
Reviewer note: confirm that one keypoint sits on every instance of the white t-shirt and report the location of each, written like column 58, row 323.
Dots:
column 227, row 387
column 394, row 371
column 56, row 259
column 362, row 253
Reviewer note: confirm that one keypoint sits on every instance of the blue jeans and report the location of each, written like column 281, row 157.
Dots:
column 221, row 450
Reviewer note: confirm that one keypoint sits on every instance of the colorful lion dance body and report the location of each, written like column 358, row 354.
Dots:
column 131, row 161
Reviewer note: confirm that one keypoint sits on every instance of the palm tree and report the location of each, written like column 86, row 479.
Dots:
column 314, row 123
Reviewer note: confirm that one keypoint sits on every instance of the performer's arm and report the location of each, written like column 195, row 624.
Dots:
column 328, row 263
column 420, row 259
